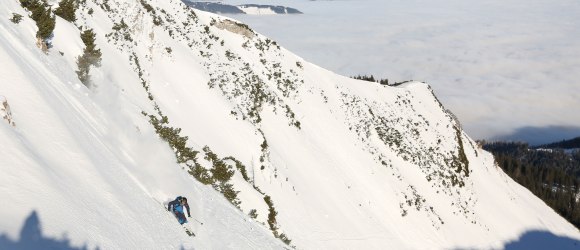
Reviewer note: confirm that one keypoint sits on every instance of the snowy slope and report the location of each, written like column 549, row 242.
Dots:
column 87, row 165
column 347, row 164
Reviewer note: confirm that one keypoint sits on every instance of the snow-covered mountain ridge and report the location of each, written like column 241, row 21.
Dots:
column 250, row 9
column 316, row 159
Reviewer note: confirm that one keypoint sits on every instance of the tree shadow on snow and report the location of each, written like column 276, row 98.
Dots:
column 532, row 240
column 31, row 238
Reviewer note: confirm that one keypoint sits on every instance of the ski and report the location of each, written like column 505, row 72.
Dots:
column 188, row 230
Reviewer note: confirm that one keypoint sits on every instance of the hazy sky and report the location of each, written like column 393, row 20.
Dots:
column 503, row 67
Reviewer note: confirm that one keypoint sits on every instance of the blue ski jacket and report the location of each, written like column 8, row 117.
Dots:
column 176, row 204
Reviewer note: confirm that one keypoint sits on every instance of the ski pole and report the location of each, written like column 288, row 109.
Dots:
column 197, row 220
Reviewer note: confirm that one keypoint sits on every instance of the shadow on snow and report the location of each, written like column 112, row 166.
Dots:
column 542, row 240
column 31, row 238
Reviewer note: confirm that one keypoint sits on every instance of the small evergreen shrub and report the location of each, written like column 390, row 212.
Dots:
column 462, row 158
column 253, row 214
column 272, row 221
column 228, row 191
column 241, row 167
column 271, row 215
column 299, row 65
column 16, row 18
column 156, row 19
column 147, row 6
column 105, row 5
column 120, row 26
column 264, row 145
column 221, row 174
column 201, row 174
column 284, row 239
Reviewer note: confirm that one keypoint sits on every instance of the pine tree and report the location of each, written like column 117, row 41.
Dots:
column 88, row 37
column 91, row 57
column 42, row 15
column 66, row 10
column 46, row 23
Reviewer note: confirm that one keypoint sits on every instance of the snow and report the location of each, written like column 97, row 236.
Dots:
column 83, row 170
column 86, row 168
column 251, row 10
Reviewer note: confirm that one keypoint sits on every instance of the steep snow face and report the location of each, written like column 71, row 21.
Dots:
column 84, row 168
column 318, row 160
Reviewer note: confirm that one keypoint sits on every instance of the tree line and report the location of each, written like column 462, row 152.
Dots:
column 371, row 78
column 553, row 175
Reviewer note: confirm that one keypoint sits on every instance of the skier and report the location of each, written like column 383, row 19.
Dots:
column 177, row 209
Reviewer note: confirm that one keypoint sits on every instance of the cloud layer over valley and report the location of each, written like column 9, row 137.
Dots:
column 498, row 65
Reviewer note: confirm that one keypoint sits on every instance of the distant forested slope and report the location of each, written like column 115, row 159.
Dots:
column 550, row 172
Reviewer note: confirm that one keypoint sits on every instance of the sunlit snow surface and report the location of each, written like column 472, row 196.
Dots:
column 83, row 167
